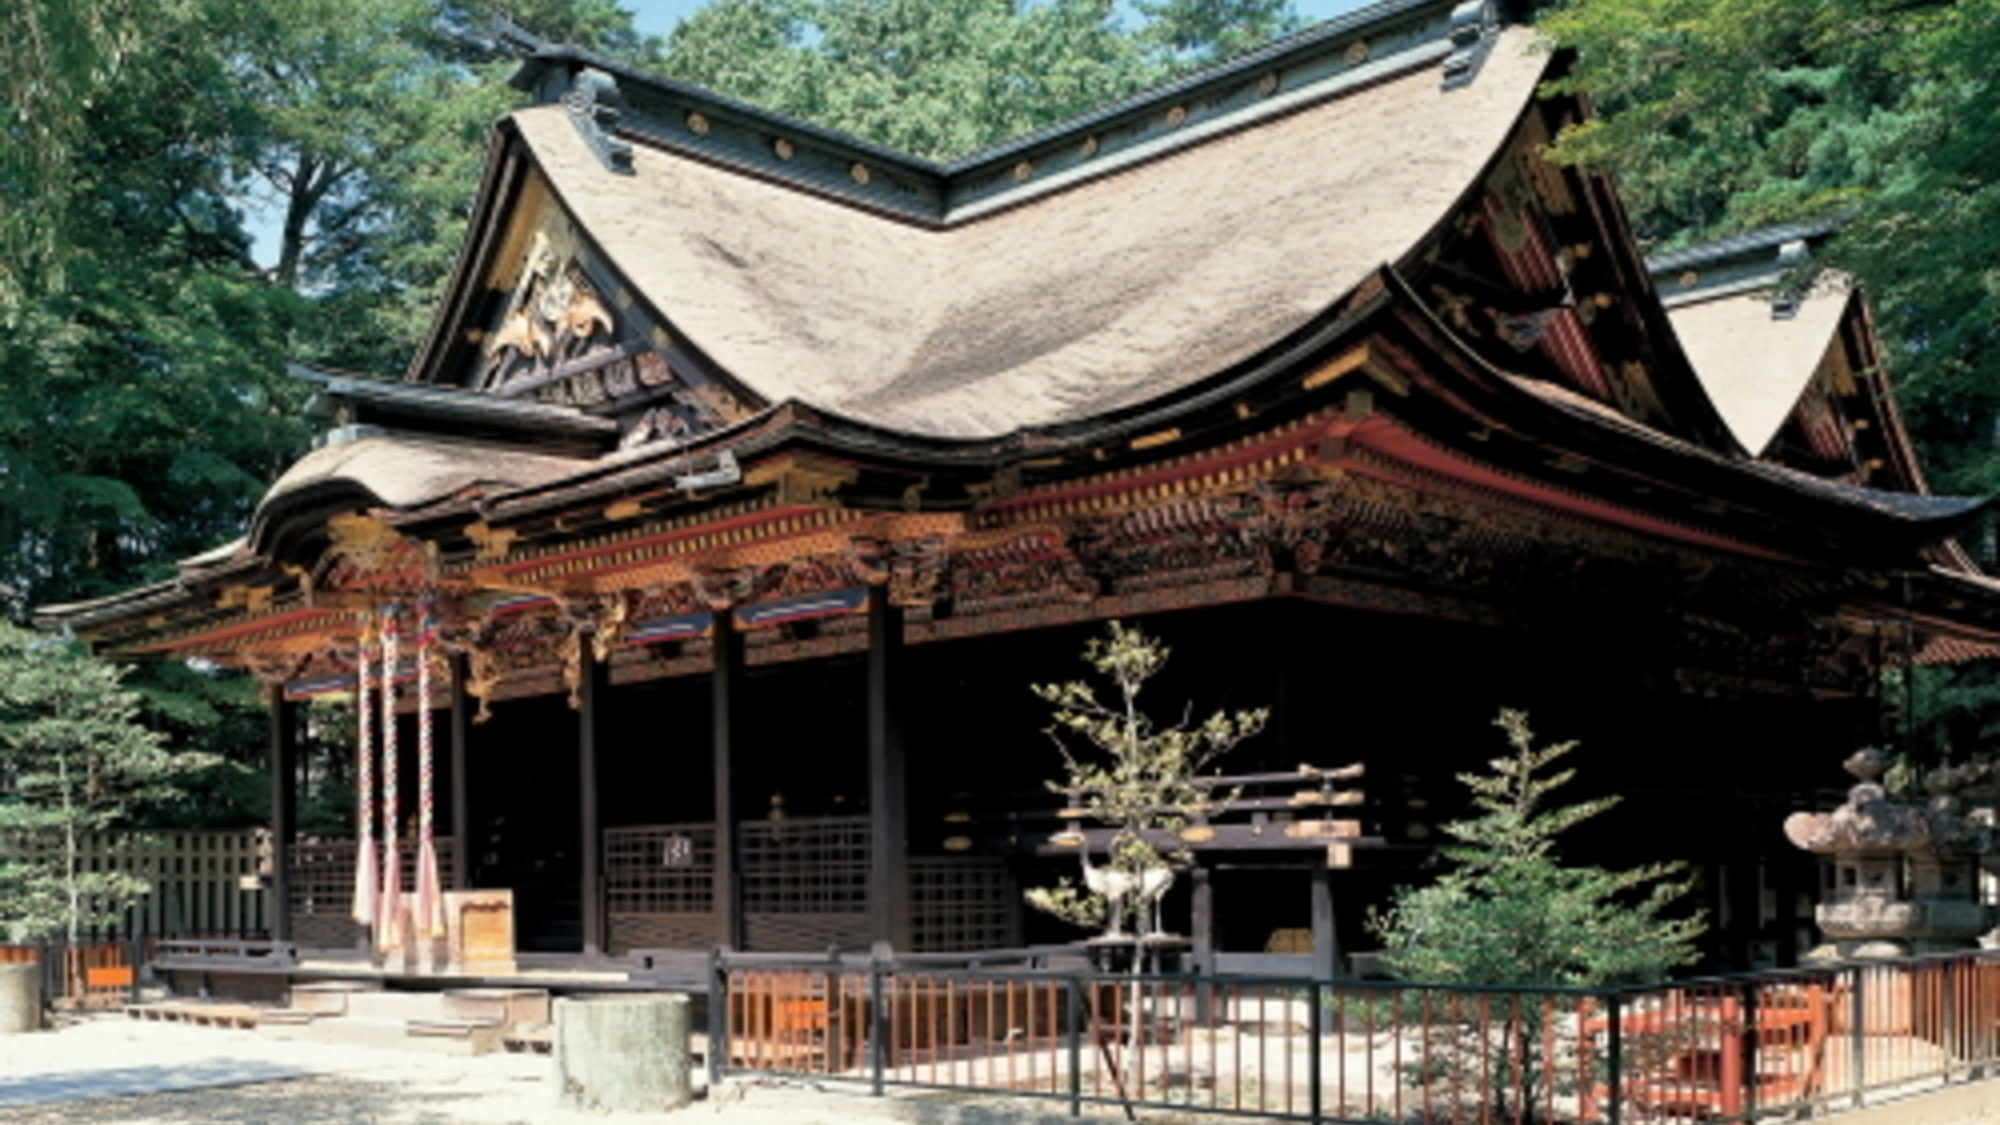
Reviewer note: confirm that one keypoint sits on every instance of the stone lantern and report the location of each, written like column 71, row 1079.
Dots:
column 1905, row 877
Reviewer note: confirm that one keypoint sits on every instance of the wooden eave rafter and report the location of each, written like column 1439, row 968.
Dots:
column 1651, row 472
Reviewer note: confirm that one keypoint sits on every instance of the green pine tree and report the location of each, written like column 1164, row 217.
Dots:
column 73, row 761
column 1511, row 912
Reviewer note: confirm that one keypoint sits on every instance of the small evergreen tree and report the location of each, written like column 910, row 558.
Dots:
column 73, row 760
column 1511, row 912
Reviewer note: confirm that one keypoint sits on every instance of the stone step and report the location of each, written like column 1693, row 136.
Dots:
column 395, row 1005
column 508, row 1007
column 479, row 1037
column 398, row 1034
column 327, row 996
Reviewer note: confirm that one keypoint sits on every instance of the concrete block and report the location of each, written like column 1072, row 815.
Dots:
column 20, row 997
column 624, row 1053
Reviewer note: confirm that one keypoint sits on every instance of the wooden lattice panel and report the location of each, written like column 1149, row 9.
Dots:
column 962, row 903
column 326, row 931
column 660, row 869
column 322, row 869
column 663, row 931
column 804, row 933
column 803, row 867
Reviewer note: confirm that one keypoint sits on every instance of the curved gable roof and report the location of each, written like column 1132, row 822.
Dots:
column 1069, row 305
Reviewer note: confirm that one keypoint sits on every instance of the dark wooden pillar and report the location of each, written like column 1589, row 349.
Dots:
column 1326, row 942
column 284, row 811
column 463, row 837
column 590, row 882
column 1203, row 922
column 889, row 906
column 1202, row 931
column 727, row 683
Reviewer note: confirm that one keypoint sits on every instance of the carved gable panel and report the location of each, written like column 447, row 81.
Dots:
column 565, row 329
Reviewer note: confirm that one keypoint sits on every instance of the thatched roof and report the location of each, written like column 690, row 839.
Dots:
column 1754, row 366
column 405, row 471
column 1067, row 306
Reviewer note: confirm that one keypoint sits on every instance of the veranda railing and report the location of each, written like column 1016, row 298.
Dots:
column 1718, row 1049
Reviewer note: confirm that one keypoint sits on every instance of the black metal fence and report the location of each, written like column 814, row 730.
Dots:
column 1717, row 1049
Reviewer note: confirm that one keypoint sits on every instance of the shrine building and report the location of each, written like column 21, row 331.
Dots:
column 749, row 474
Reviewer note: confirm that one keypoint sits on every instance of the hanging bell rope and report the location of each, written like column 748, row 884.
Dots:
column 365, row 899
column 430, row 902
column 386, row 930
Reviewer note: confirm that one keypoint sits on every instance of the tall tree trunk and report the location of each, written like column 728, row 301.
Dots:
column 69, row 849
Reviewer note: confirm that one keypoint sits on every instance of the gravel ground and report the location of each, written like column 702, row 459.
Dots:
column 112, row 1069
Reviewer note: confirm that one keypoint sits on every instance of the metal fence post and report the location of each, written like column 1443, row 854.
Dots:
column 1614, row 1058
column 1857, row 1033
column 878, row 1027
column 1948, row 1013
column 1074, row 1045
column 718, row 1016
column 1313, row 1044
column 1752, row 1037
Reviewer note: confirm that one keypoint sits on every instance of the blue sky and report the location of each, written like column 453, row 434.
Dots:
column 658, row 17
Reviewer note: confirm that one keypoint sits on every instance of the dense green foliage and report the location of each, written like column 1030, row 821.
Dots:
column 143, row 402
column 1720, row 115
column 1509, row 911
column 74, row 760
column 940, row 78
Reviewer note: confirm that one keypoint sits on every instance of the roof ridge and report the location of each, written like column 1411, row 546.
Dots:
column 1330, row 59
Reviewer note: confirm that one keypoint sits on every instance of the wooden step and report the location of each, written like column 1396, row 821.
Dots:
column 196, row 1012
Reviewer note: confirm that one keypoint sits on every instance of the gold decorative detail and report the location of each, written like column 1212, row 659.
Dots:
column 493, row 542
column 1268, row 84
column 697, row 124
column 482, row 675
column 572, row 667
column 1356, row 53
column 1333, row 369
column 1022, row 171
column 958, row 843
column 1197, row 833
column 608, row 626
column 858, row 172
column 1688, row 278
column 1176, row 116
column 1160, row 438
column 782, row 149
column 800, row 480
column 252, row 599
column 623, row 510
column 1089, row 147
